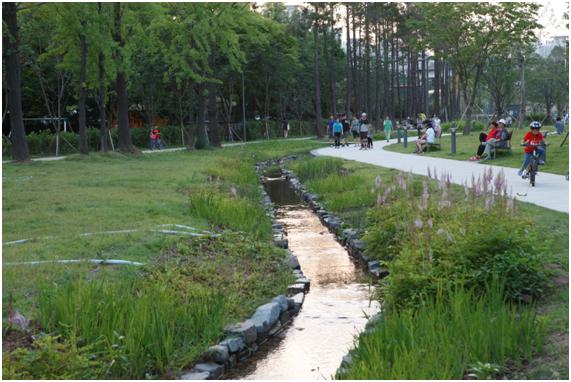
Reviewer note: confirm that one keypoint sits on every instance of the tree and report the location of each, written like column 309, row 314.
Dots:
column 500, row 76
column 11, row 41
column 124, row 143
column 470, row 37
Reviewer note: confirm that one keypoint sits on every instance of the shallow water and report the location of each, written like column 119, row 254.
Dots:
column 334, row 311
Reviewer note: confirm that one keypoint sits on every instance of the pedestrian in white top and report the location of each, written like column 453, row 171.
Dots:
column 436, row 125
column 427, row 138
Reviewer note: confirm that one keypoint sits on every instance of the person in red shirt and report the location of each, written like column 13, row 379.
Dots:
column 492, row 137
column 492, row 127
column 533, row 139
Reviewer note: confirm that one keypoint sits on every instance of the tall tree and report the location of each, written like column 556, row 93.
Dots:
column 124, row 143
column 470, row 37
column 11, row 49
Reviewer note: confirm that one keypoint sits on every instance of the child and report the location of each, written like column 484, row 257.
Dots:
column 370, row 139
column 533, row 138
column 363, row 130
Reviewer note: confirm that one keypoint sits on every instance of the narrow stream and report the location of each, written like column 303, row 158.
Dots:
column 313, row 345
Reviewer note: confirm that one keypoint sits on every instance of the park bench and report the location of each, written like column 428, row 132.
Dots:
column 503, row 145
column 435, row 146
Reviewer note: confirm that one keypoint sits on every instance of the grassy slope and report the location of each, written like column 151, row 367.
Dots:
column 350, row 196
column 65, row 198
column 466, row 145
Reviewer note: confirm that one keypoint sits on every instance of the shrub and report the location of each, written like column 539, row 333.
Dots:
column 435, row 239
column 53, row 358
column 541, row 116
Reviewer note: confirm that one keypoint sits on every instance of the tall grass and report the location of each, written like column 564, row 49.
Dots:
column 441, row 338
column 139, row 329
column 232, row 212
column 317, row 168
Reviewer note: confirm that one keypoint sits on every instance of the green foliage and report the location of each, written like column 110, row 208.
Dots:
column 230, row 212
column 446, row 336
column 317, row 168
column 53, row 358
column 149, row 327
column 433, row 239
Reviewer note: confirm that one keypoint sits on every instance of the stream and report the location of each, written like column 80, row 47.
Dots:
column 313, row 345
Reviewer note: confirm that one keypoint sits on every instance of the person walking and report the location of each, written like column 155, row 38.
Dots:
column 559, row 126
column 337, row 130
column 330, row 127
column 363, row 130
column 355, row 129
column 436, row 126
column 388, row 127
column 285, row 127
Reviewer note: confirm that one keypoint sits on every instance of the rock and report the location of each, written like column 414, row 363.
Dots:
column 296, row 288
column 383, row 273
column 214, row 370
column 285, row 316
column 373, row 265
column 278, row 226
column 298, row 301
column 298, row 273
column 293, row 262
column 282, row 301
column 232, row 360
column 219, row 353
column 195, row 375
column 233, row 344
column 246, row 330
column 347, row 360
column 358, row 245
column 277, row 326
column 373, row 321
column 265, row 316
column 305, row 282
column 350, row 234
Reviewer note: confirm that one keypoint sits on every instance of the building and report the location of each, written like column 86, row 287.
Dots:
column 545, row 48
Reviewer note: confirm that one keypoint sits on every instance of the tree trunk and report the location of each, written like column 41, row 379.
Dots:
column 521, row 116
column 348, row 67
column 331, row 66
column 368, row 97
column 11, row 49
column 318, row 128
column 397, row 77
column 424, row 85
column 124, row 144
column 101, row 103
column 83, row 147
column 354, row 66
column 201, row 136
column 213, row 115
column 378, row 73
column 437, row 88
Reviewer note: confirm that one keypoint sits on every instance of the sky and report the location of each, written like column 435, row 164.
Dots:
column 550, row 16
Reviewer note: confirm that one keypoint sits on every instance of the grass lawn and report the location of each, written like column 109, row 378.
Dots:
column 557, row 157
column 347, row 188
column 55, row 202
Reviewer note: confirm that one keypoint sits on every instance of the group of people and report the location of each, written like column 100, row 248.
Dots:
column 340, row 126
column 497, row 136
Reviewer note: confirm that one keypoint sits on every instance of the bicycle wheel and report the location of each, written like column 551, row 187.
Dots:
column 532, row 172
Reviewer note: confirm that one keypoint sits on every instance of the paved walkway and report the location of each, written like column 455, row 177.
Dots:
column 550, row 191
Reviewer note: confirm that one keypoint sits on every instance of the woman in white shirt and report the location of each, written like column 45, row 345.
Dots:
column 428, row 137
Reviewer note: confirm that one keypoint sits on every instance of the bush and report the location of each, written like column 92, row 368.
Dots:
column 434, row 239
column 53, row 358
column 536, row 117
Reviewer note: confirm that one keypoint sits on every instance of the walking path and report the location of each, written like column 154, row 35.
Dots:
column 172, row 149
column 550, row 191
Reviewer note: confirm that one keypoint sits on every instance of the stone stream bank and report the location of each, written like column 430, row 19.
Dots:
column 312, row 345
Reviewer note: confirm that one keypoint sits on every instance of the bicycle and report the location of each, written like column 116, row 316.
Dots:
column 532, row 169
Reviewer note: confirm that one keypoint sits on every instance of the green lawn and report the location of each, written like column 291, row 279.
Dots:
column 557, row 157
column 55, row 202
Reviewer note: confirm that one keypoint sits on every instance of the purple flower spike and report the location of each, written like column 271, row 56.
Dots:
column 378, row 182
column 418, row 222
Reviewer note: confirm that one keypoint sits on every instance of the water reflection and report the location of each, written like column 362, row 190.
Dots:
column 334, row 311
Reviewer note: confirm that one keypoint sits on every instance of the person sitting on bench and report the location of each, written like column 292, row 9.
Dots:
column 427, row 138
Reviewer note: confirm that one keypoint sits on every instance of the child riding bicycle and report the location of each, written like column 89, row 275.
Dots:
column 532, row 141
